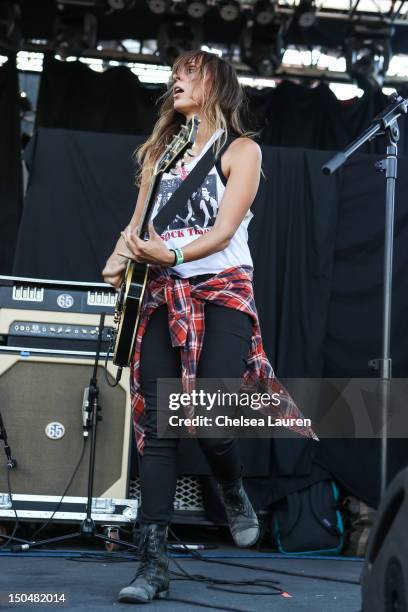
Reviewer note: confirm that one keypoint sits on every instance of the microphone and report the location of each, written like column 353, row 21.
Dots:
column 85, row 413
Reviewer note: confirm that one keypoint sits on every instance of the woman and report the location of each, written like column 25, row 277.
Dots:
column 190, row 326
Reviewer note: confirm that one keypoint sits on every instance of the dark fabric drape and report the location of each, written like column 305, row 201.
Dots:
column 317, row 248
column 80, row 195
column 292, row 244
column 316, row 241
column 294, row 115
column 10, row 164
column 354, row 325
column 356, row 293
column 292, row 239
column 73, row 96
column 84, row 179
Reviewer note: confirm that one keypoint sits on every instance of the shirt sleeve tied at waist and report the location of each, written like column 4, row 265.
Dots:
column 231, row 288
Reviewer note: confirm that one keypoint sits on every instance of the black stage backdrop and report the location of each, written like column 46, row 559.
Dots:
column 312, row 117
column 354, row 326
column 317, row 248
column 10, row 163
column 73, row 96
column 80, row 195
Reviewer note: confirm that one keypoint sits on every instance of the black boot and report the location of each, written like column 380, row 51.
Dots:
column 242, row 519
column 152, row 577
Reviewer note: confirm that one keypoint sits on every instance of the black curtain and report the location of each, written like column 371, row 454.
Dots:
column 84, row 179
column 80, row 195
column 292, row 240
column 312, row 117
column 317, row 248
column 10, row 163
column 356, row 292
column 73, row 96
column 301, row 225
column 354, row 324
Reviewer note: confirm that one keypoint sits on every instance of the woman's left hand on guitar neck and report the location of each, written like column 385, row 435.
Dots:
column 152, row 251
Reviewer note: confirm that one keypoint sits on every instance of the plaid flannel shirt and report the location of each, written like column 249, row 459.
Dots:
column 186, row 303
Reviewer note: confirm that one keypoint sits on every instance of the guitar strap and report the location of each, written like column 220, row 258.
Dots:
column 195, row 178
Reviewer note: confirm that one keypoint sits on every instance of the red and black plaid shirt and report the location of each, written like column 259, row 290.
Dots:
column 186, row 303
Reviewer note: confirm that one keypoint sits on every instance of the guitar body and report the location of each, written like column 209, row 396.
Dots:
column 129, row 300
column 127, row 312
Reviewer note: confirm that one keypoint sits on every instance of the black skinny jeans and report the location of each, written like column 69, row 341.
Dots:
column 225, row 350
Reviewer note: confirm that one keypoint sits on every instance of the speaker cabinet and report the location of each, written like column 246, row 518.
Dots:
column 385, row 571
column 41, row 404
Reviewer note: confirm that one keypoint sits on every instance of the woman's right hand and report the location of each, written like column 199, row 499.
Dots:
column 114, row 270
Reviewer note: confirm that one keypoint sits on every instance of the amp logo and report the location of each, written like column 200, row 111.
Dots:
column 65, row 300
column 55, row 431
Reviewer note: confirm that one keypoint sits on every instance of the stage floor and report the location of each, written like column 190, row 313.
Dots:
column 92, row 582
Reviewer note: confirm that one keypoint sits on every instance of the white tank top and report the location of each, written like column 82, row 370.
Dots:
column 198, row 216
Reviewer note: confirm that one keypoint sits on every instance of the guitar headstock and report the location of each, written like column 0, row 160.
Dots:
column 179, row 144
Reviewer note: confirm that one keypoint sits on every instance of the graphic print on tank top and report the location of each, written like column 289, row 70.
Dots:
column 199, row 212
column 197, row 217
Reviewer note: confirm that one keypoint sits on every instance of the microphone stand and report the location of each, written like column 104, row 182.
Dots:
column 92, row 407
column 11, row 464
column 386, row 123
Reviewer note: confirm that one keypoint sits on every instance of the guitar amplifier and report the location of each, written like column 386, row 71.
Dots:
column 48, row 338
column 41, row 402
column 48, row 333
column 54, row 317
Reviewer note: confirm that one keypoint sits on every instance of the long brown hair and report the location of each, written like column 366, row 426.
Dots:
column 224, row 105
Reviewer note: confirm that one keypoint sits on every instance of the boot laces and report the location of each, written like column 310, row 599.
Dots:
column 147, row 549
column 237, row 503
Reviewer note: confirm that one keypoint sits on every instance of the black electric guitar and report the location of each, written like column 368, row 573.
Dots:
column 128, row 303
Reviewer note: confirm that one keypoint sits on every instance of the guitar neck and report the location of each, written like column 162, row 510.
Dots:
column 148, row 204
column 174, row 151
